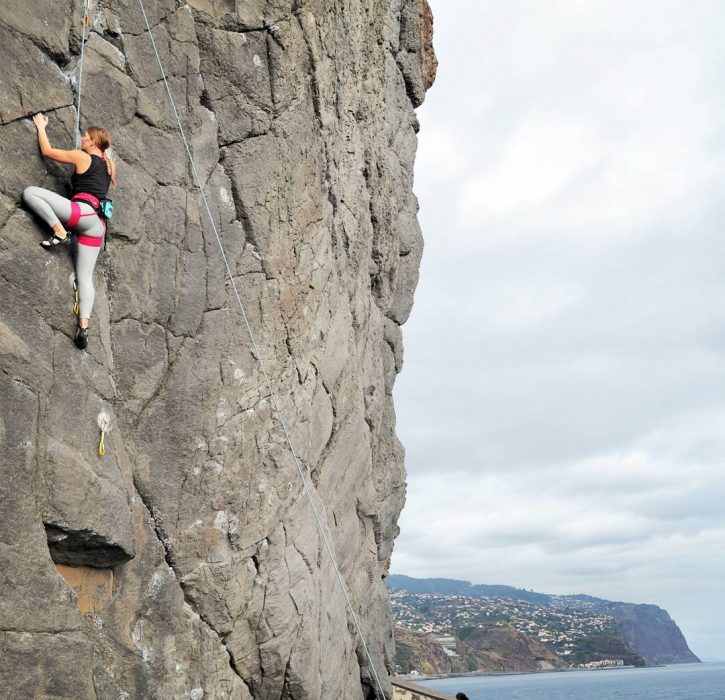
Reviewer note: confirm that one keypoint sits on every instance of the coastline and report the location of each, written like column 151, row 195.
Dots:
column 479, row 674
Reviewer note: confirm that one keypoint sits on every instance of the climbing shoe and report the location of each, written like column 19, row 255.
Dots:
column 54, row 240
column 81, row 339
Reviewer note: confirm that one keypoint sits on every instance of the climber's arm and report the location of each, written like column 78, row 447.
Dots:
column 77, row 158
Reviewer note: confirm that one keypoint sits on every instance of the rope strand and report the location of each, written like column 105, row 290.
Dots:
column 80, row 73
column 258, row 355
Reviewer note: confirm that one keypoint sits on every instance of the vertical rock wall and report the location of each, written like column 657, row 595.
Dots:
column 186, row 563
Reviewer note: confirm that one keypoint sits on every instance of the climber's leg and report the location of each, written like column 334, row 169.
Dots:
column 86, row 256
column 90, row 230
column 52, row 208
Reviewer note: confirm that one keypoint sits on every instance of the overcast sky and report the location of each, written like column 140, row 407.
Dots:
column 562, row 402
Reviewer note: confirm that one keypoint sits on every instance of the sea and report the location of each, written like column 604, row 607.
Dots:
column 678, row 682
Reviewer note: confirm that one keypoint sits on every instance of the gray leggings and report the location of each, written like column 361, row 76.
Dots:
column 53, row 209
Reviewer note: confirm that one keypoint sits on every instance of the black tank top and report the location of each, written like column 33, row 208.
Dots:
column 95, row 180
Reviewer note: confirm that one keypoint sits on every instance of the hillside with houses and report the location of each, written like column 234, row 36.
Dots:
column 500, row 635
column 448, row 626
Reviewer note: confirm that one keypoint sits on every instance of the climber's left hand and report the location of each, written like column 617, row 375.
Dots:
column 40, row 121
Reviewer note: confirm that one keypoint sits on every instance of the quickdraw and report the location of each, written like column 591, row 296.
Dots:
column 104, row 423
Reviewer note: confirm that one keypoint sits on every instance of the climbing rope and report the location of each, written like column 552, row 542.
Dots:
column 86, row 24
column 258, row 355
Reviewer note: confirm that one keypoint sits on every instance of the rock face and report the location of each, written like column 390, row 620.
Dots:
column 651, row 632
column 187, row 563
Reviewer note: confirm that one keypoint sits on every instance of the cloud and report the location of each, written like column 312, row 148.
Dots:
column 541, row 162
column 563, row 397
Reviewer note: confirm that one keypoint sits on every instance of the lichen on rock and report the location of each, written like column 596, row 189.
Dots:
column 212, row 576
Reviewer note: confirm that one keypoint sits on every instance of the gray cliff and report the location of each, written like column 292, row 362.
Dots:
column 186, row 563
column 650, row 631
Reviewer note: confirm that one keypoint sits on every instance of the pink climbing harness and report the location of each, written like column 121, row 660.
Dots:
column 75, row 217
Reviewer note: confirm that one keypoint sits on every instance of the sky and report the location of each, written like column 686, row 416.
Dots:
column 562, row 400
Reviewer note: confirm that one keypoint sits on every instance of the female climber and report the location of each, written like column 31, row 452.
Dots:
column 94, row 173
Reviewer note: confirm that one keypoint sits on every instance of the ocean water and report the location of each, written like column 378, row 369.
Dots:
column 679, row 682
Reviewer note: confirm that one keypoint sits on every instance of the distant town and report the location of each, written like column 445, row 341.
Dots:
column 561, row 629
column 453, row 626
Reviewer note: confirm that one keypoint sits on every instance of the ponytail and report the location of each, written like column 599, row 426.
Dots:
column 103, row 141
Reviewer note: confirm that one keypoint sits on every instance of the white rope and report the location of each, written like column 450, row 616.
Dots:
column 80, row 74
column 272, row 393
